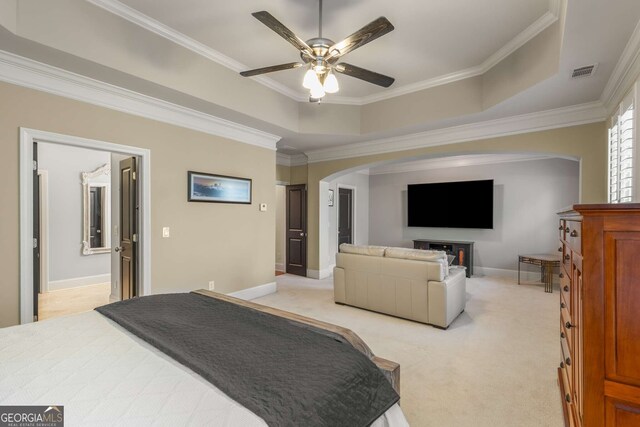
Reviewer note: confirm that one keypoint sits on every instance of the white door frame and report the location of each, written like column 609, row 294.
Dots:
column 353, row 212
column 27, row 138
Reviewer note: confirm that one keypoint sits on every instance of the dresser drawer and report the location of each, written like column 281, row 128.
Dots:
column 565, row 333
column 565, row 288
column 567, row 362
column 573, row 235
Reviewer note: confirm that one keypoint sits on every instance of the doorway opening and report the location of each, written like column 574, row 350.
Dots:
column 346, row 217
column 296, row 229
column 84, row 224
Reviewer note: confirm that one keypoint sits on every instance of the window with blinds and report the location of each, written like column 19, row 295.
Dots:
column 621, row 156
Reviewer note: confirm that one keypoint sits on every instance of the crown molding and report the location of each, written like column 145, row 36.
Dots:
column 291, row 159
column 449, row 162
column 156, row 27
column 533, row 122
column 26, row 72
column 624, row 74
column 138, row 18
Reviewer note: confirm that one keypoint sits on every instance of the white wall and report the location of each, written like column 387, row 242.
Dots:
column 68, row 267
column 527, row 196
column 360, row 183
column 281, row 225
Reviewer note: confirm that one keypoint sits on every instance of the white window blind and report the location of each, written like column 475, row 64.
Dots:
column 621, row 156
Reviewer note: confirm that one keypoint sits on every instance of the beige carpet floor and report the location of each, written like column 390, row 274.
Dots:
column 494, row 366
column 74, row 300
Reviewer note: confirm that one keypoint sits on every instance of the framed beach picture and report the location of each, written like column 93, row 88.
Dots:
column 205, row 187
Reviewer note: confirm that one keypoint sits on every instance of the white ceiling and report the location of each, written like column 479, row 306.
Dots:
column 431, row 38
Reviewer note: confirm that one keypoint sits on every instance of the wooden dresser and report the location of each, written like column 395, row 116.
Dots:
column 599, row 375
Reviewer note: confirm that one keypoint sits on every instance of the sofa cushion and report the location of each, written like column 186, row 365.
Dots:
column 362, row 249
column 415, row 254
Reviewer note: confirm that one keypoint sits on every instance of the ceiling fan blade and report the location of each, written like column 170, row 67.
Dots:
column 364, row 35
column 267, row 19
column 271, row 69
column 366, row 75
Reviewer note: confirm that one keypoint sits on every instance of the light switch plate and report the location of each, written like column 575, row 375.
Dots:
column 263, row 207
column 166, row 232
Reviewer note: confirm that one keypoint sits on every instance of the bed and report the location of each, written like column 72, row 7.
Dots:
column 105, row 374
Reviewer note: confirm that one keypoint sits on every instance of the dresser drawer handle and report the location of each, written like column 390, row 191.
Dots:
column 566, row 230
column 560, row 249
column 560, row 228
column 568, row 361
column 574, row 233
column 561, row 275
column 562, row 335
column 567, row 398
column 567, row 257
column 568, row 325
column 566, row 288
column 562, row 305
column 562, row 365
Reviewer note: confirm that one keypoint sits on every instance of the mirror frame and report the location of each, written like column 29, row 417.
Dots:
column 88, row 181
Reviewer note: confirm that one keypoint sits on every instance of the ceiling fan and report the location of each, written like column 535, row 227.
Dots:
column 321, row 55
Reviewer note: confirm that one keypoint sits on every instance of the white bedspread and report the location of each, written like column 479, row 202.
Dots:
column 104, row 376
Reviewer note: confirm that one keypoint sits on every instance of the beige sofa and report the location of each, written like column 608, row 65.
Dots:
column 409, row 283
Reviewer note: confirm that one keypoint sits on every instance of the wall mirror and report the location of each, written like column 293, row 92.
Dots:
column 96, row 211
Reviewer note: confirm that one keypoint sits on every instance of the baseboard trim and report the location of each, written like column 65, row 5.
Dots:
column 321, row 274
column 280, row 266
column 525, row 276
column 78, row 282
column 256, row 291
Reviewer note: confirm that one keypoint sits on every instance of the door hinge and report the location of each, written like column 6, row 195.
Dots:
column 35, row 243
column 35, row 165
column 135, row 238
column 133, row 176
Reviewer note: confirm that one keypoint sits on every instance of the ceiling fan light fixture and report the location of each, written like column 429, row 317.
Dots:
column 317, row 91
column 331, row 84
column 310, row 79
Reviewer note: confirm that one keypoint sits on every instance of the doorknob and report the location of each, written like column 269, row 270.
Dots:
column 118, row 249
column 301, row 234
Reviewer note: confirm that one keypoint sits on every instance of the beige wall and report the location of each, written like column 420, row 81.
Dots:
column 283, row 173
column 231, row 244
column 299, row 174
column 588, row 143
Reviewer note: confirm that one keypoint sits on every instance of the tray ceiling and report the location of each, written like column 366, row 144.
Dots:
column 431, row 39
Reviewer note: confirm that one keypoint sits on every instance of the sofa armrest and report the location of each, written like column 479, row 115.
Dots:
column 339, row 287
column 447, row 298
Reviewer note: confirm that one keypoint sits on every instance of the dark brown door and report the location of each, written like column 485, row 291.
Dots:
column 345, row 215
column 297, row 229
column 36, row 232
column 128, row 228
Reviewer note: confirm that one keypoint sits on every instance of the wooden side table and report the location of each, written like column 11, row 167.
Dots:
column 546, row 262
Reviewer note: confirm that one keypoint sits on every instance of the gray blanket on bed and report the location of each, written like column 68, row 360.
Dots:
column 287, row 373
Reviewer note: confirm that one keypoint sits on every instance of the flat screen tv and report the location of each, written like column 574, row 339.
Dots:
column 463, row 204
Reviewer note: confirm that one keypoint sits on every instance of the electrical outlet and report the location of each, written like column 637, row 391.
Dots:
column 166, row 232
column 212, row 285
column 263, row 207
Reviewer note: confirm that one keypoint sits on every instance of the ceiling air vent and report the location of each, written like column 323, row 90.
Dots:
column 584, row 71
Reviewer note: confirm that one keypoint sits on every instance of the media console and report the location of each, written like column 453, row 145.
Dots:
column 461, row 250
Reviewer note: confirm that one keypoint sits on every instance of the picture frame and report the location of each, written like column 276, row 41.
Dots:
column 331, row 197
column 212, row 188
